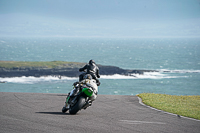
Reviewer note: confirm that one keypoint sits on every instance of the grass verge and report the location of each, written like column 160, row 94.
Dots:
column 48, row 64
column 188, row 106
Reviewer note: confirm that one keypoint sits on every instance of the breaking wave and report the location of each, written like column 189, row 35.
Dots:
column 32, row 80
column 179, row 71
column 160, row 74
column 146, row 75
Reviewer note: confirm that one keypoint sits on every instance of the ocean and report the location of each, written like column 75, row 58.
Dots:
column 177, row 61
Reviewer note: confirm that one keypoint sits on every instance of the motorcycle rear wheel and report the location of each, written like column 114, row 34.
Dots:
column 77, row 106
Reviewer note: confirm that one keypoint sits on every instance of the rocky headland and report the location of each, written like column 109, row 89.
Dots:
column 69, row 69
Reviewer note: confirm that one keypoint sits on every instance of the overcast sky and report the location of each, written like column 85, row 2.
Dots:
column 101, row 18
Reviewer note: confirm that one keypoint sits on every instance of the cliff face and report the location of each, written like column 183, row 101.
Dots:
column 61, row 71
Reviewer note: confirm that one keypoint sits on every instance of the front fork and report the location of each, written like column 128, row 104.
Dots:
column 68, row 97
column 67, row 100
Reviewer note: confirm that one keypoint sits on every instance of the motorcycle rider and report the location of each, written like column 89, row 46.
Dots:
column 86, row 82
column 92, row 69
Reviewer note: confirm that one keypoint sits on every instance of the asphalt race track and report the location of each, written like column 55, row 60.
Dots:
column 41, row 113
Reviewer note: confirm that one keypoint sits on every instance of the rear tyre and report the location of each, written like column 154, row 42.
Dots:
column 77, row 106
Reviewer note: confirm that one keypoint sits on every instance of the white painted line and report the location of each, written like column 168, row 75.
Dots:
column 140, row 122
column 140, row 101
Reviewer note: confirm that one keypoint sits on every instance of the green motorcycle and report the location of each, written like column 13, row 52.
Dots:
column 79, row 101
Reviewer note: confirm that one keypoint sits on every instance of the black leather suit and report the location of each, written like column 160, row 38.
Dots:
column 92, row 69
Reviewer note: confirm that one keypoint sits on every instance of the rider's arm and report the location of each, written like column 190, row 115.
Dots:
column 98, row 76
column 83, row 68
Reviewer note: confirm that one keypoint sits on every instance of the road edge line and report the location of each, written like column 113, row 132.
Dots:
column 140, row 102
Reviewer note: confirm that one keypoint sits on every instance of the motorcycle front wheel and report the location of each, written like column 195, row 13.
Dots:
column 77, row 106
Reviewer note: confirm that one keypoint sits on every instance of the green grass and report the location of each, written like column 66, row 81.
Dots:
column 48, row 64
column 188, row 106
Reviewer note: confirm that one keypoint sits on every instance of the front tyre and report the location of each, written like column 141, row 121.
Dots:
column 77, row 106
column 64, row 110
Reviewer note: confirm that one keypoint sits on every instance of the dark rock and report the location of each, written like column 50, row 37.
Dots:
column 69, row 71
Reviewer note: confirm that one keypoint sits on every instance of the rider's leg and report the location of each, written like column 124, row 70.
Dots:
column 81, row 76
column 95, row 78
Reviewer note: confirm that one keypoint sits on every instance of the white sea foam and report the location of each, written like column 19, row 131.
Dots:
column 116, row 76
column 162, row 74
column 146, row 75
column 32, row 80
column 179, row 71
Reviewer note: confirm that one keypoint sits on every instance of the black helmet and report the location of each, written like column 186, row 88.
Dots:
column 91, row 62
column 87, row 76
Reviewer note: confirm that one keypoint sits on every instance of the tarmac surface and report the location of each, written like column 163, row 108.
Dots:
column 41, row 113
